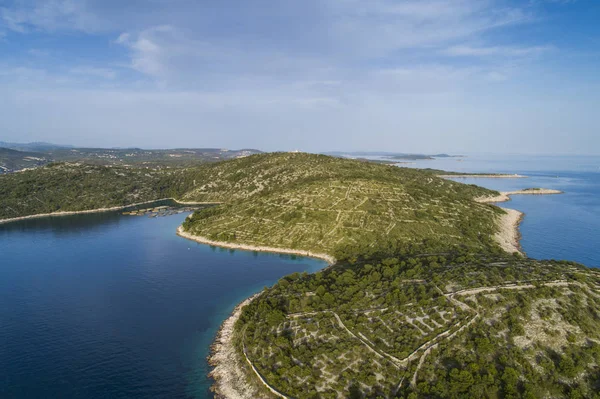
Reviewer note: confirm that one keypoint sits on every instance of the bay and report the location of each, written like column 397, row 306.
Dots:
column 111, row 306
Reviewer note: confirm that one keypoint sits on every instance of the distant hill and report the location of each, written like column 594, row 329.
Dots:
column 180, row 157
column 13, row 160
column 35, row 146
column 60, row 187
column 392, row 155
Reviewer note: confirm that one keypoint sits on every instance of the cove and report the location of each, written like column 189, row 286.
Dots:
column 111, row 306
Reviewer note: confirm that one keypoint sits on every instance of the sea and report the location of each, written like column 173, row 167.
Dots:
column 112, row 306
column 564, row 226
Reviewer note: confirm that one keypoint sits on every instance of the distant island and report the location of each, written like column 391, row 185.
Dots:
column 458, row 175
column 426, row 293
column 391, row 155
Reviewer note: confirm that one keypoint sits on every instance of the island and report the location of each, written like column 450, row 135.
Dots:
column 458, row 175
column 426, row 293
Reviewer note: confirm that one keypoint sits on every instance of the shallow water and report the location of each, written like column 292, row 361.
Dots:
column 110, row 306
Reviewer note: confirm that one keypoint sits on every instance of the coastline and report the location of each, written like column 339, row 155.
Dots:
column 505, row 195
column 288, row 251
column 229, row 378
column 509, row 236
column 99, row 210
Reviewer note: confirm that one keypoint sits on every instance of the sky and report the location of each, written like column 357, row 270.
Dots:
column 427, row 76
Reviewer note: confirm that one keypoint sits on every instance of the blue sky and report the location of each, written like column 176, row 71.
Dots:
column 315, row 75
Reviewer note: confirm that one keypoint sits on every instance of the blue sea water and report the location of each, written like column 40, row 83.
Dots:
column 110, row 306
column 565, row 226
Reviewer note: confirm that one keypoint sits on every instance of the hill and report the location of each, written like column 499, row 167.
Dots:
column 13, row 160
column 77, row 187
column 341, row 207
column 32, row 147
column 130, row 157
column 137, row 157
column 448, row 326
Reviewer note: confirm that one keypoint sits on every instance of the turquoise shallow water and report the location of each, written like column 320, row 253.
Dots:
column 109, row 306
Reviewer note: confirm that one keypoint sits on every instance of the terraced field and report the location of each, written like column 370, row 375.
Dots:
column 339, row 207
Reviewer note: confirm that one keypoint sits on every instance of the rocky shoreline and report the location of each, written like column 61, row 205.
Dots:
column 229, row 378
column 505, row 195
column 509, row 236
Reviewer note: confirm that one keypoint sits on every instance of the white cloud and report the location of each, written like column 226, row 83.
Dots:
column 502, row 51
column 274, row 74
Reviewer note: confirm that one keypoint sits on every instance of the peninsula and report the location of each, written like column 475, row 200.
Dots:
column 423, row 300
column 505, row 195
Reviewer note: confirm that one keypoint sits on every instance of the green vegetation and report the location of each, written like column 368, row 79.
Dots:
column 136, row 157
column 15, row 157
column 338, row 206
column 431, row 326
column 76, row 187
column 242, row 183
column 11, row 160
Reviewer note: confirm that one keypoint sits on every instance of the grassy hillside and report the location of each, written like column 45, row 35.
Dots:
column 338, row 206
column 435, row 327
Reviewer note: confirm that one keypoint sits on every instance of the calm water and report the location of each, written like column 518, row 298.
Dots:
column 107, row 306
column 563, row 226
